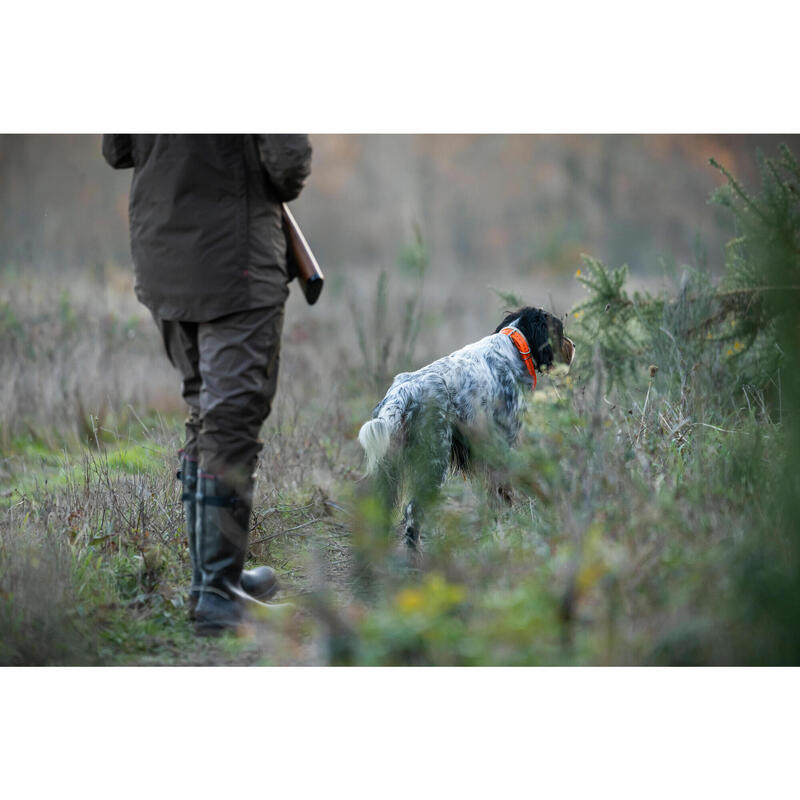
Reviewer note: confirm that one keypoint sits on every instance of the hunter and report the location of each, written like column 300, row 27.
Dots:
column 210, row 260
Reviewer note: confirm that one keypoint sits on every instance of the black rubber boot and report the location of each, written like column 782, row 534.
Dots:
column 187, row 475
column 260, row 582
column 222, row 527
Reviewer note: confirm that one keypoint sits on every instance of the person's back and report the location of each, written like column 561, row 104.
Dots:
column 209, row 254
column 205, row 218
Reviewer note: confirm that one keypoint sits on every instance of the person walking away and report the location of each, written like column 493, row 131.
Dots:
column 210, row 261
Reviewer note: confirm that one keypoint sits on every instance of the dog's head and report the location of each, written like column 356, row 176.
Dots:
column 545, row 335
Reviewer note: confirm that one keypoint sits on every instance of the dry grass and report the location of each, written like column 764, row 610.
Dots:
column 73, row 349
column 617, row 548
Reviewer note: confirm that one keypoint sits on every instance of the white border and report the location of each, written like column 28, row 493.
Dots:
column 420, row 66
column 412, row 67
column 400, row 733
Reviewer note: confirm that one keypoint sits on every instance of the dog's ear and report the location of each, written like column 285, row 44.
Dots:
column 542, row 330
column 535, row 327
column 540, row 339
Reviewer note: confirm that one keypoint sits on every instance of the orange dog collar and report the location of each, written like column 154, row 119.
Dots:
column 521, row 343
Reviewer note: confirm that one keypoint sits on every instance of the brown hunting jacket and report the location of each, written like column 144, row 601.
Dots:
column 205, row 218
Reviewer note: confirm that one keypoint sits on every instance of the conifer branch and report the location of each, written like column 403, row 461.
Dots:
column 736, row 187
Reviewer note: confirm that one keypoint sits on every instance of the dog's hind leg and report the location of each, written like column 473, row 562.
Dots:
column 372, row 538
column 428, row 465
column 412, row 517
column 386, row 487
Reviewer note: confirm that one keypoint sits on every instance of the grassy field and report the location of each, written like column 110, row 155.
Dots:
column 653, row 484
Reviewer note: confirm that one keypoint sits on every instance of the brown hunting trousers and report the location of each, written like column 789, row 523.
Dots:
column 229, row 368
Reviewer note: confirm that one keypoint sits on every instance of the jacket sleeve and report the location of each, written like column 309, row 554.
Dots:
column 117, row 150
column 287, row 159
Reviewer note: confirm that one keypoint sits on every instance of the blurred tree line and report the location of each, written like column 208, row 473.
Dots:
column 524, row 204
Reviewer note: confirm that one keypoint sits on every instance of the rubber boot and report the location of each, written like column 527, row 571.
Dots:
column 260, row 582
column 187, row 475
column 222, row 528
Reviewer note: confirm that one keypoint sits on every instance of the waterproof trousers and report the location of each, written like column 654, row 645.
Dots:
column 229, row 370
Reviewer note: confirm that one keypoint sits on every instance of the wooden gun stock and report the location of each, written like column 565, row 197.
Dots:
column 302, row 261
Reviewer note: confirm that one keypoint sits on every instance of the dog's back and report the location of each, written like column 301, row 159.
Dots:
column 450, row 390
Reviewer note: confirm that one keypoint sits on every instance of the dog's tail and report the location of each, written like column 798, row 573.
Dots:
column 375, row 437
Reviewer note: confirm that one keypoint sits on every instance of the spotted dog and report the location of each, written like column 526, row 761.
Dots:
column 437, row 417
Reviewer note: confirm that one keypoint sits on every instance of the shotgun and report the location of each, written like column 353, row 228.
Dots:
column 301, row 259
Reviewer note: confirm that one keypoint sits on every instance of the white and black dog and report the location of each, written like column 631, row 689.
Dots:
column 432, row 419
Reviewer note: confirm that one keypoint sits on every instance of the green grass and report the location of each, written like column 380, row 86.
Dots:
column 32, row 464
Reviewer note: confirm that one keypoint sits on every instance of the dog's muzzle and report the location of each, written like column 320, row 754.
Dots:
column 567, row 351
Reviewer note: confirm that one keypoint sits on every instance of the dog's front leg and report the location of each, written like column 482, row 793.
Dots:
column 506, row 494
